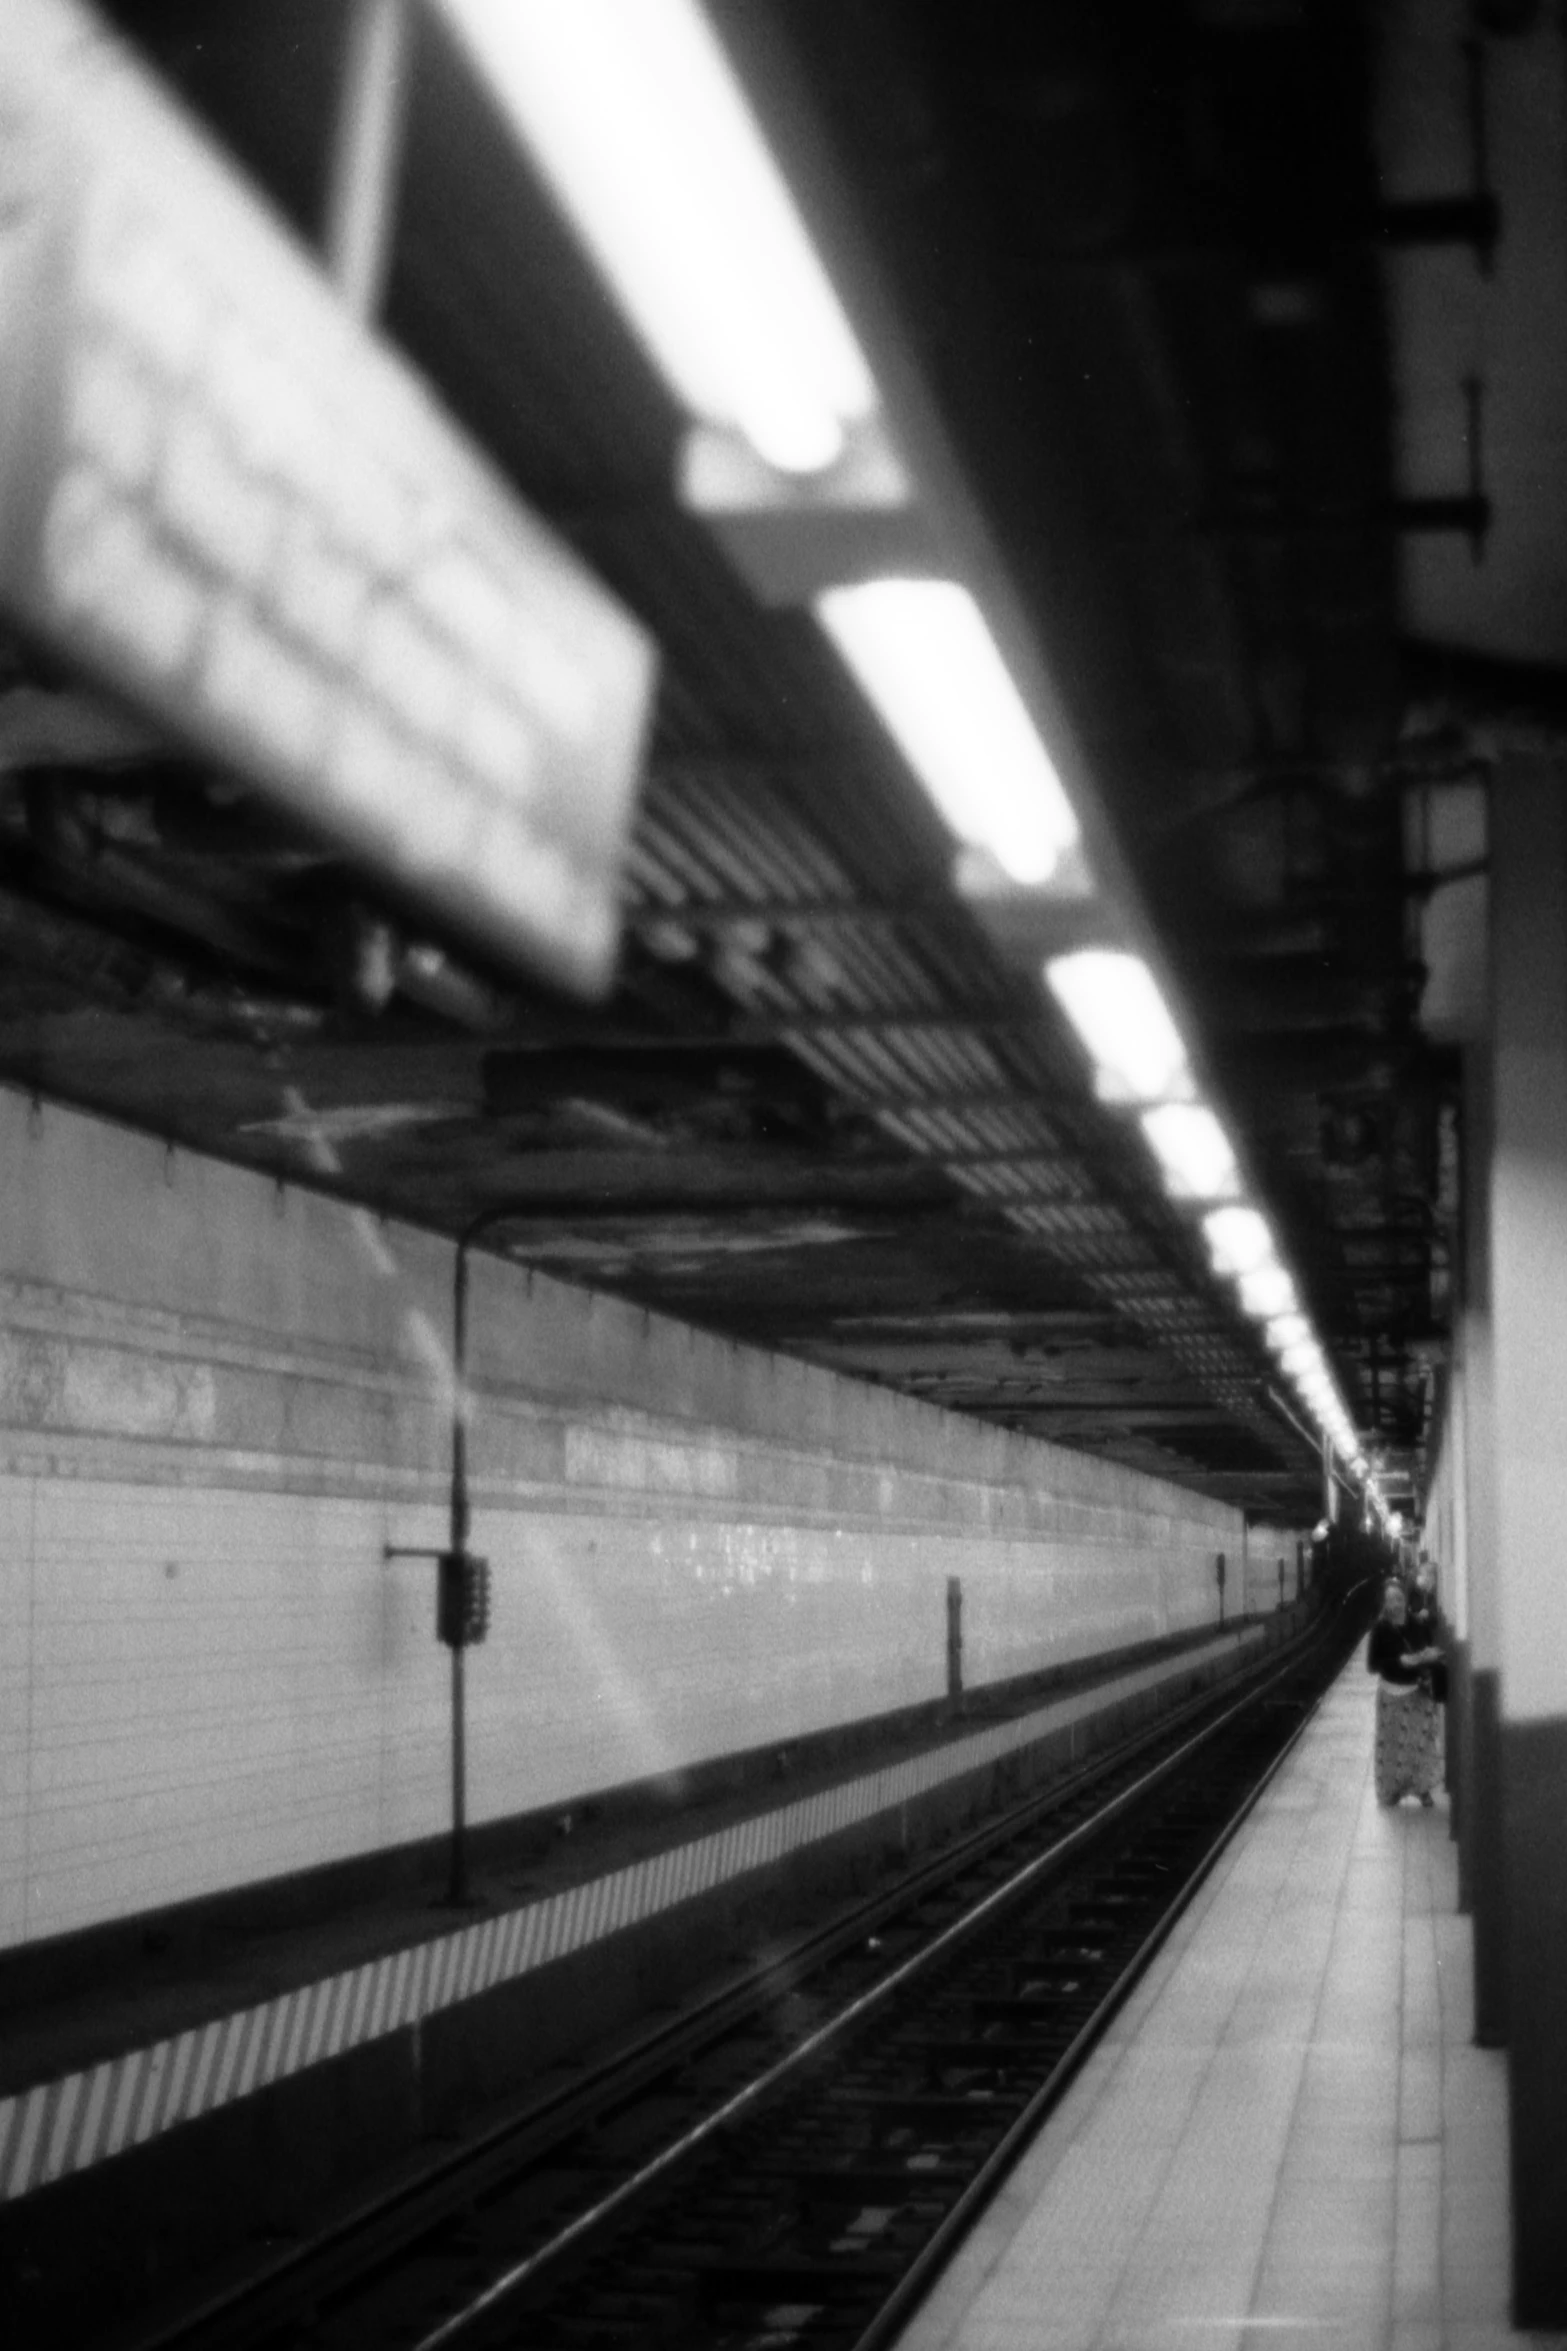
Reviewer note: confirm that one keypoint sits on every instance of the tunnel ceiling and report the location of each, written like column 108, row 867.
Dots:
column 1139, row 254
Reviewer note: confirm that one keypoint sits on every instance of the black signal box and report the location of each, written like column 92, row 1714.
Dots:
column 462, row 1599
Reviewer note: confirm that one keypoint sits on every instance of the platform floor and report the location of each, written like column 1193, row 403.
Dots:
column 1288, row 2138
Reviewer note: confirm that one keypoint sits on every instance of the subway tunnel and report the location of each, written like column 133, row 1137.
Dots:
column 769, row 1069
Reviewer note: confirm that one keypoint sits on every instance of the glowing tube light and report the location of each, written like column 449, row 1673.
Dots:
column 1113, row 1002
column 925, row 659
column 1193, row 1151
column 1287, row 1330
column 633, row 116
column 1238, row 1239
column 1267, row 1292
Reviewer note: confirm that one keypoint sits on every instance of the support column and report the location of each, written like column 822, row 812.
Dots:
column 1453, row 1564
column 1529, row 1340
column 1480, row 1793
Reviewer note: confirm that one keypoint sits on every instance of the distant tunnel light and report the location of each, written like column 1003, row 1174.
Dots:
column 1193, row 1150
column 1267, row 1292
column 1239, row 1240
column 1287, row 1330
column 923, row 655
column 631, row 112
column 1113, row 1002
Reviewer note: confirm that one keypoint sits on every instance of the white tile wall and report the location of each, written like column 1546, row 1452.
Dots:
column 218, row 1402
column 16, row 1620
column 1265, row 1547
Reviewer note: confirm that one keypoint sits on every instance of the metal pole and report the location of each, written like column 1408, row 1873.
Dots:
column 457, row 1875
column 365, row 153
column 459, row 1526
column 459, row 1521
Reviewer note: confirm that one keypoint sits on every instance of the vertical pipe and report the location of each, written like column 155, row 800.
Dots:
column 460, row 1516
column 460, row 1524
column 368, row 143
column 457, row 1875
column 457, row 1541
column 955, row 1639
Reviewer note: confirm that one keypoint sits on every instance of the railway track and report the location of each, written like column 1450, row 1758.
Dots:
column 785, row 2167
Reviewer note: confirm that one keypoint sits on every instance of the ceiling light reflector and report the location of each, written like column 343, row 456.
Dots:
column 1113, row 1001
column 1193, row 1150
column 925, row 659
column 633, row 116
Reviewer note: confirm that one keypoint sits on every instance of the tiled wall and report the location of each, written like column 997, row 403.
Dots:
column 1265, row 1547
column 220, row 1399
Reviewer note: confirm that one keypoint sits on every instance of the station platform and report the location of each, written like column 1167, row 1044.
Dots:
column 1288, row 2137
column 249, row 2074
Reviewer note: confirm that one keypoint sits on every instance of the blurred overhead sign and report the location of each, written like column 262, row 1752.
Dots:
column 220, row 495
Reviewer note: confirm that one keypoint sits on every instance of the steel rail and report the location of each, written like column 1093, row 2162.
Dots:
column 639, row 2183
column 954, row 2224
column 249, row 2308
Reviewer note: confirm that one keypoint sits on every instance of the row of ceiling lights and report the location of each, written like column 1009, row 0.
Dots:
column 632, row 114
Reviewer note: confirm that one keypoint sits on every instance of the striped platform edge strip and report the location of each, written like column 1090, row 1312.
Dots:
column 59, row 2127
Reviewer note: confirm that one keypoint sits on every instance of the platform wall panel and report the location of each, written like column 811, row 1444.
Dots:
column 1265, row 1547
column 222, row 1398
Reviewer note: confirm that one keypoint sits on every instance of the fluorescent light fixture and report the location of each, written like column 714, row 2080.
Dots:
column 1239, row 1239
column 1113, row 1002
column 1287, row 1330
column 1267, row 1292
column 632, row 113
column 923, row 655
column 1193, row 1150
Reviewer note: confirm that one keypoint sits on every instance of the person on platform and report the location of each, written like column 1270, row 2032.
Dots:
column 1409, row 1721
column 1425, row 1623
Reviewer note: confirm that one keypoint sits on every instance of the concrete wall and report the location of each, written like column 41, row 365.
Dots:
column 219, row 1400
